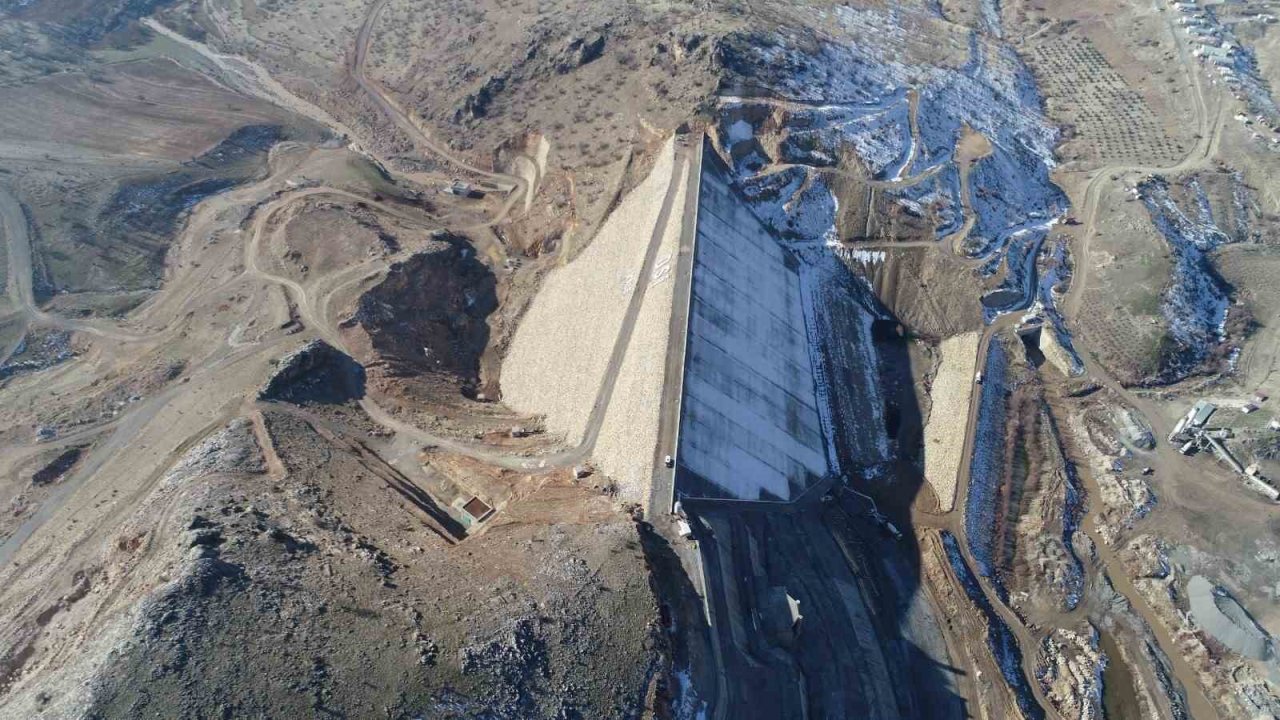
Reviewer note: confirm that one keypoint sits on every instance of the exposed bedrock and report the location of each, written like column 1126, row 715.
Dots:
column 315, row 372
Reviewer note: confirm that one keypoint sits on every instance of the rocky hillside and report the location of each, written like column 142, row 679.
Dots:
column 286, row 596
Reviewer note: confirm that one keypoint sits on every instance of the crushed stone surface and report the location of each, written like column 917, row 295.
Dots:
column 945, row 430
column 624, row 450
column 561, row 350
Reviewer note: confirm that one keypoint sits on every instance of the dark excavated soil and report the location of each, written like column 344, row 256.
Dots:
column 315, row 373
column 428, row 319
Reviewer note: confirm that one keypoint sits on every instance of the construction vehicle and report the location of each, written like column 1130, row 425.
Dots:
column 464, row 190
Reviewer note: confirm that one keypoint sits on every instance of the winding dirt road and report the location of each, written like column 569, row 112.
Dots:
column 1208, row 130
column 311, row 298
column 1209, row 123
column 312, row 305
column 13, row 224
column 516, row 187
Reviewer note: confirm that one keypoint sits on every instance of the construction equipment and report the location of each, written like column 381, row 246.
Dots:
column 878, row 517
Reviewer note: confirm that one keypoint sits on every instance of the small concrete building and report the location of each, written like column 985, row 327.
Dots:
column 684, row 529
column 477, row 510
column 1200, row 413
column 465, row 190
column 1261, row 486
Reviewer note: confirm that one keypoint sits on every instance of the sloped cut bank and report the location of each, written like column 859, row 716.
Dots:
column 1196, row 301
column 944, row 433
column 987, row 463
column 1003, row 645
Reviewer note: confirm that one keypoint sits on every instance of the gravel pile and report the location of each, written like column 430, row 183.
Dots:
column 560, row 351
column 943, row 436
column 1220, row 615
column 1055, row 353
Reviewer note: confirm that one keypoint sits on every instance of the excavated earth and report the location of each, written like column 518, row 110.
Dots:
column 425, row 325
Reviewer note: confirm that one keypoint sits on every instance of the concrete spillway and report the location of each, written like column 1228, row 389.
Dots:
column 749, row 427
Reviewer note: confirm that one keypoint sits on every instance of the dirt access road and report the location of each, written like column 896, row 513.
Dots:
column 1210, row 111
column 13, row 224
column 246, row 76
column 517, row 188
column 226, row 367
column 561, row 459
column 1210, row 127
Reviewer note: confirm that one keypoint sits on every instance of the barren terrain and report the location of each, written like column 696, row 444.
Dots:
column 343, row 359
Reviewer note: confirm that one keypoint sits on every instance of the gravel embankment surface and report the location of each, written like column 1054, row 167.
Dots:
column 624, row 450
column 943, row 435
column 560, row 351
